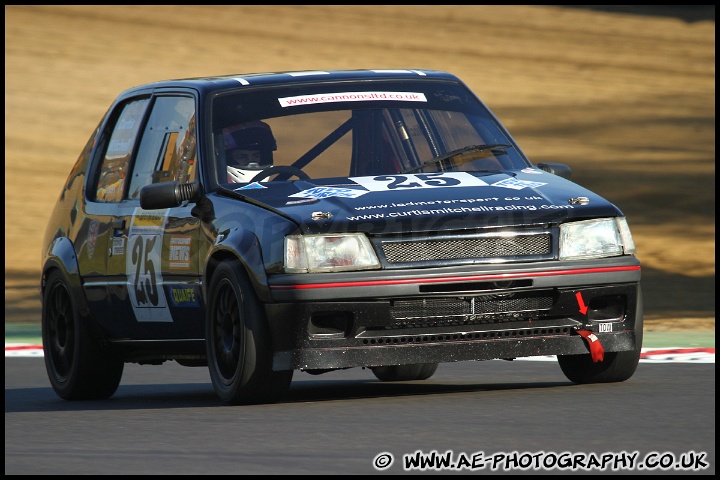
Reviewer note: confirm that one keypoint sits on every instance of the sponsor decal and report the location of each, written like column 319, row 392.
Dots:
column 179, row 251
column 118, row 245
column 147, row 223
column 184, row 297
column 385, row 183
column 517, row 184
column 351, row 97
column 326, row 192
column 452, row 205
column 93, row 230
column 604, row 327
column 251, row 186
column 142, row 264
column 532, row 170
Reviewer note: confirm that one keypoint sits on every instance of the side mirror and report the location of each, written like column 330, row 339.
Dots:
column 555, row 168
column 168, row 194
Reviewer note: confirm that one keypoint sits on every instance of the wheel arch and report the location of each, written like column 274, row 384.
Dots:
column 243, row 246
column 61, row 256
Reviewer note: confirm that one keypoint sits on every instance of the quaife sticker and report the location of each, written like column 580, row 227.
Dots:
column 184, row 296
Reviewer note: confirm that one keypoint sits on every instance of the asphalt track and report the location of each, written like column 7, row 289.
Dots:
column 166, row 419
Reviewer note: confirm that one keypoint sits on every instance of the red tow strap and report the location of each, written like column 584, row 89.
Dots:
column 596, row 350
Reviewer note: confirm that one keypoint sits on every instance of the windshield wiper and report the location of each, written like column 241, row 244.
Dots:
column 496, row 148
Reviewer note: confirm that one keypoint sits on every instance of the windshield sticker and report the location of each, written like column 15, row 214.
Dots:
column 516, row 184
column 384, row 183
column 351, row 97
column 326, row 192
column 251, row 186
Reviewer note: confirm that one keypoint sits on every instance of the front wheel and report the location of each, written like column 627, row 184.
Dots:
column 405, row 373
column 78, row 365
column 239, row 351
column 615, row 367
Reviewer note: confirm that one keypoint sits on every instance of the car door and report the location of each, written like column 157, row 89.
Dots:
column 154, row 254
column 99, row 219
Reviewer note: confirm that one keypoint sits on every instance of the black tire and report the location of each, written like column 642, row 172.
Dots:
column 78, row 364
column 427, row 371
column 239, row 349
column 615, row 367
column 405, row 373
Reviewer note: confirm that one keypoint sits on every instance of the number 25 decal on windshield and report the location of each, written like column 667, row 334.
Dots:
column 426, row 180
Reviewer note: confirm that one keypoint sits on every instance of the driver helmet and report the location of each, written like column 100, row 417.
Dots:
column 249, row 149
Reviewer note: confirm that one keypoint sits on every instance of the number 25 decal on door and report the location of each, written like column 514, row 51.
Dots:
column 143, row 266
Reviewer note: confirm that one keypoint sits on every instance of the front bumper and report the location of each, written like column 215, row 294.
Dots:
column 453, row 315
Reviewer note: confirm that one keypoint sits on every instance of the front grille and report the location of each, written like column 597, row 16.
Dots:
column 477, row 247
column 434, row 312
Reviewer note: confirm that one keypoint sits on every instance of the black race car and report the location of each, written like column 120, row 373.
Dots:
column 319, row 220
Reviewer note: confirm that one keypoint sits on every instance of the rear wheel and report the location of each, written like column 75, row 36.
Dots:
column 239, row 351
column 79, row 366
column 405, row 373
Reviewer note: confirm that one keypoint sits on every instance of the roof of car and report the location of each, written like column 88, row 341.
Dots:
column 222, row 82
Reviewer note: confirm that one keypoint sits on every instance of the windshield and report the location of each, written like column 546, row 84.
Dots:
column 361, row 129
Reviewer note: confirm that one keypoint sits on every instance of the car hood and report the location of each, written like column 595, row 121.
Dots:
column 428, row 202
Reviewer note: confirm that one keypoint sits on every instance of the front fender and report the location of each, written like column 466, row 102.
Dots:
column 243, row 245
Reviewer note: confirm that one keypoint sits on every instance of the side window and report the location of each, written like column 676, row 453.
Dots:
column 114, row 165
column 167, row 150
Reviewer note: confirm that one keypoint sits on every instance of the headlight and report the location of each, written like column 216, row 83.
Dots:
column 329, row 253
column 603, row 237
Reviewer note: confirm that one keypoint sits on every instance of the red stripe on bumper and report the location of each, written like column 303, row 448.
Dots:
column 470, row 278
